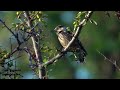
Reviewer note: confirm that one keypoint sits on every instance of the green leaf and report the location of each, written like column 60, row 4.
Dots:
column 45, row 60
column 93, row 21
column 17, row 13
column 39, row 20
column 68, row 29
column 14, row 25
column 38, row 16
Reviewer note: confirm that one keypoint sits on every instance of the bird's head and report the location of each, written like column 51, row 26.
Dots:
column 60, row 29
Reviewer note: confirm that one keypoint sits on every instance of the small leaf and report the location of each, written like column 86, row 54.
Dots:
column 74, row 23
column 23, row 28
column 38, row 16
column 68, row 29
column 13, row 24
column 44, row 60
column 17, row 13
column 93, row 21
column 39, row 19
column 16, row 25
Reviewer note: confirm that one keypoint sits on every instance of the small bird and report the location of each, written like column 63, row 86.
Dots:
column 76, row 47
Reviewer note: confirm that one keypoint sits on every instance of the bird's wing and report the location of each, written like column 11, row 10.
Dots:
column 81, row 46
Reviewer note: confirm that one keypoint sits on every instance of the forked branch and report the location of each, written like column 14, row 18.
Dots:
column 79, row 28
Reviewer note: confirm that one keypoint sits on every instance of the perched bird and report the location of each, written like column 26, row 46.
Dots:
column 76, row 47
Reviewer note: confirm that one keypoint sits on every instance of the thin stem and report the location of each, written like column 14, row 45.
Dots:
column 19, row 43
column 113, row 62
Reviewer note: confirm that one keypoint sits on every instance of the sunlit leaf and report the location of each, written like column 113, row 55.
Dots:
column 44, row 60
column 38, row 16
column 17, row 13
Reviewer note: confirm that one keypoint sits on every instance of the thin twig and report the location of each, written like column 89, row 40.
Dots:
column 79, row 28
column 10, row 54
column 13, row 59
column 113, row 62
column 10, row 44
column 15, row 35
column 7, row 27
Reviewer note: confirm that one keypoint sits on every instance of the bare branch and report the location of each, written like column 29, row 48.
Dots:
column 13, row 59
column 113, row 62
column 16, row 36
column 79, row 28
column 7, row 27
column 53, row 59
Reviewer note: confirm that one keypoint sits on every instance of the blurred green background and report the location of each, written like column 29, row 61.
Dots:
column 105, row 37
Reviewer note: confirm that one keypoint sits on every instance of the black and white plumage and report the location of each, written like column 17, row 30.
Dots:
column 76, row 47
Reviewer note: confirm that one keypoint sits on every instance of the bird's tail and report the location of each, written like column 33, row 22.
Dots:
column 80, row 56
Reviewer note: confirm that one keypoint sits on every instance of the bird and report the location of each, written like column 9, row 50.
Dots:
column 64, row 37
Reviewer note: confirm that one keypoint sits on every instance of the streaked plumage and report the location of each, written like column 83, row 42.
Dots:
column 64, row 38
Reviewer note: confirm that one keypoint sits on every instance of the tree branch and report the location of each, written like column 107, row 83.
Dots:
column 19, row 43
column 79, row 28
column 84, row 21
column 113, row 62
column 42, row 72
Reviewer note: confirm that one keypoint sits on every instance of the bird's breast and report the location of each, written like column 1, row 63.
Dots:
column 63, row 40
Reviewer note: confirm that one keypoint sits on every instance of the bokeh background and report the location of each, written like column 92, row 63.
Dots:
column 104, row 37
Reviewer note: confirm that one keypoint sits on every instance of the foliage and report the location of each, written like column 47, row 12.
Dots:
column 42, row 30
